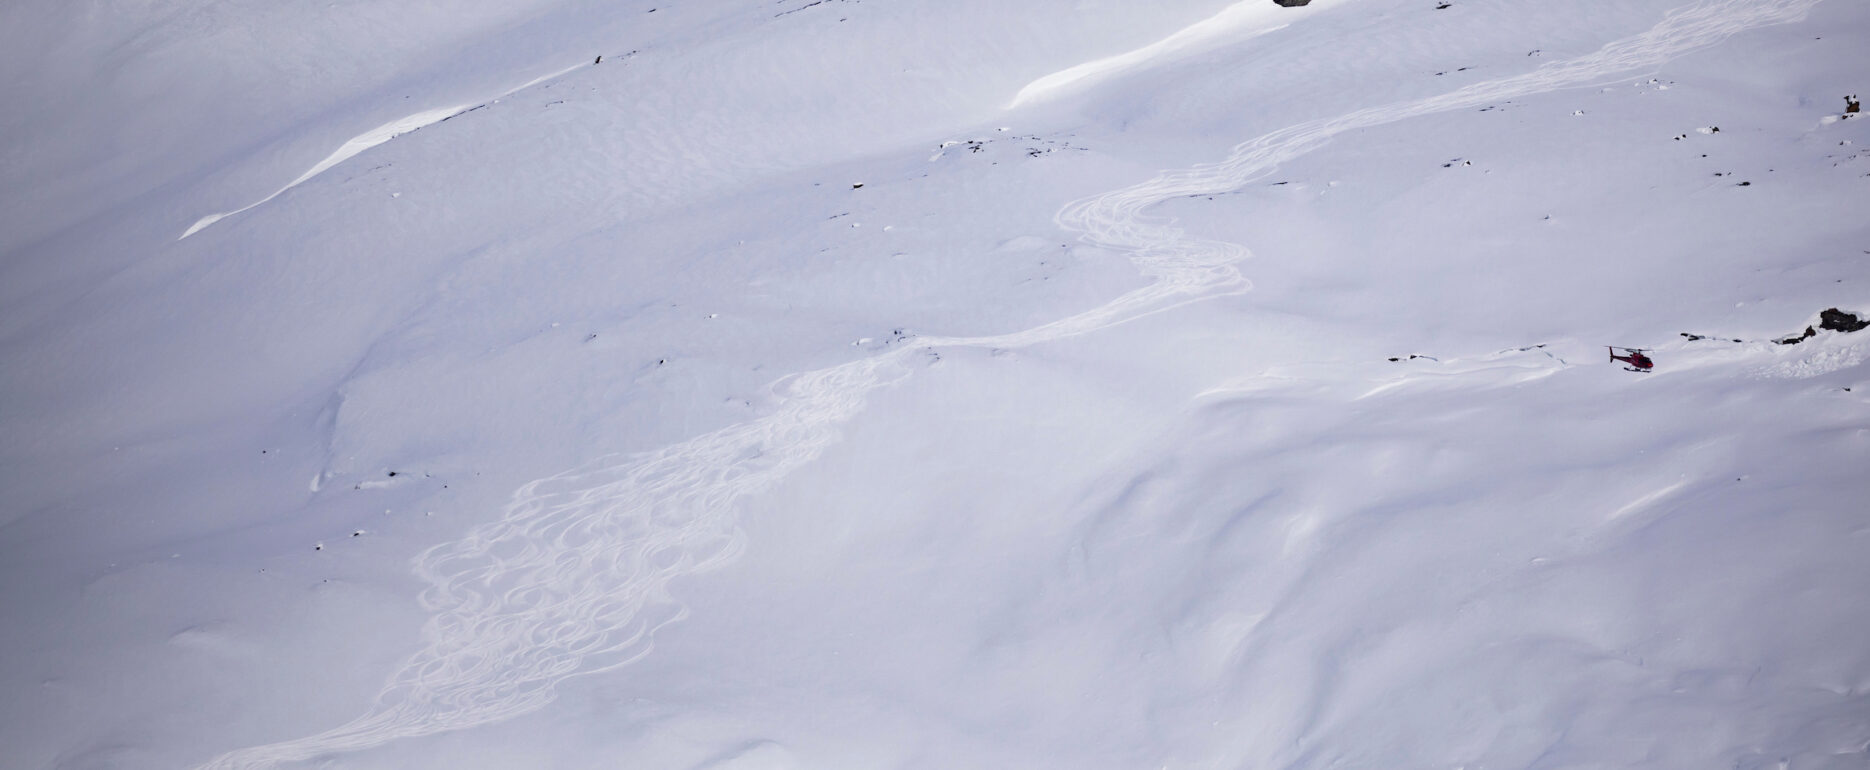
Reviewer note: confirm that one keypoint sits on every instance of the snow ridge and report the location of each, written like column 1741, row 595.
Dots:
column 574, row 578
column 368, row 139
column 1232, row 22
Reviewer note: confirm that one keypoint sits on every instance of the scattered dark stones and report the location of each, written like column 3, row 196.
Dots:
column 1036, row 146
column 813, row 4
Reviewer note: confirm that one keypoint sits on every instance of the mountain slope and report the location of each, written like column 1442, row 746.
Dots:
column 772, row 394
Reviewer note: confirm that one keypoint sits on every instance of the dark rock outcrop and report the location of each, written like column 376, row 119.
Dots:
column 1832, row 319
column 1798, row 338
column 1839, row 321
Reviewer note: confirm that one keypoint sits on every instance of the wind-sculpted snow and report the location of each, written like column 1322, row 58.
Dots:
column 575, row 578
column 1234, row 23
column 358, row 144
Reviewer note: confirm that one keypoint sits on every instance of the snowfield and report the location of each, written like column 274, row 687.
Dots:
column 845, row 384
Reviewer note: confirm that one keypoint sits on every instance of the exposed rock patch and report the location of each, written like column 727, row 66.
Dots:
column 1832, row 319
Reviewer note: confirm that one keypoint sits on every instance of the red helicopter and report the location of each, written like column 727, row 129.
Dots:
column 1632, row 356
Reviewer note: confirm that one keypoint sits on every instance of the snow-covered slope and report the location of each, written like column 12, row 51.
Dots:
column 935, row 385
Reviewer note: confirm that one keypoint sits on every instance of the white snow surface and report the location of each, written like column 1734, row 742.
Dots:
column 1233, row 24
column 845, row 384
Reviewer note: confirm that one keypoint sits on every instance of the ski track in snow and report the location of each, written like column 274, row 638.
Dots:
column 368, row 139
column 574, row 578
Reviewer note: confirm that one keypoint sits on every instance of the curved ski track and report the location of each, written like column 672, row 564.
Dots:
column 574, row 578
